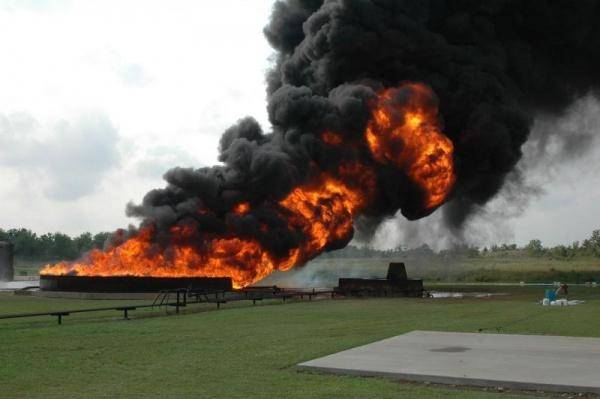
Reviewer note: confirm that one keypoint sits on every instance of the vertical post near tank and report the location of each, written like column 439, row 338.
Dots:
column 7, row 271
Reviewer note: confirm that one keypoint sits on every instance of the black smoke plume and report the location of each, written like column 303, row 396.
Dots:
column 494, row 66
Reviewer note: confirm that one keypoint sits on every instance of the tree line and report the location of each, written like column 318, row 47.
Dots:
column 590, row 247
column 29, row 245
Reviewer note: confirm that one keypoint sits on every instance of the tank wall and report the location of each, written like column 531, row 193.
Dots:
column 7, row 271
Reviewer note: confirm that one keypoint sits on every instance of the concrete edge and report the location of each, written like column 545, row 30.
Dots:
column 436, row 379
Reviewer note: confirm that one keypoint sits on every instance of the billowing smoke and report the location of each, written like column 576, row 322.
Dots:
column 375, row 106
column 493, row 64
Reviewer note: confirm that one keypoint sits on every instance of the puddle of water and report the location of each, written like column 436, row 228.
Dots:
column 443, row 294
column 16, row 285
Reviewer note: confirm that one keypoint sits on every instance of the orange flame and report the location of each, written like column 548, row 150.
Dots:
column 322, row 210
column 407, row 133
column 242, row 208
column 325, row 212
column 332, row 138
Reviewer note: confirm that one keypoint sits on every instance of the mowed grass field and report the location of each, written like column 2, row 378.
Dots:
column 245, row 351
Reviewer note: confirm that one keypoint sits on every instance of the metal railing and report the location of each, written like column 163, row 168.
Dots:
column 181, row 296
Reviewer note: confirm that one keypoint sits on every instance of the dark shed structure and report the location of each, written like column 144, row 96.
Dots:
column 397, row 283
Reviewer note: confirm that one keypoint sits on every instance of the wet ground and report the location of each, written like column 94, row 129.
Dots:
column 17, row 285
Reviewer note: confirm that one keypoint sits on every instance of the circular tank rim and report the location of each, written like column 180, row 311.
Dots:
column 131, row 283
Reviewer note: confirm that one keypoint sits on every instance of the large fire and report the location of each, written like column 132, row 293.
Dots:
column 405, row 130
column 322, row 210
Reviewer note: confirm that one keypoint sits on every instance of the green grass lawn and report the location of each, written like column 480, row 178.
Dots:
column 245, row 351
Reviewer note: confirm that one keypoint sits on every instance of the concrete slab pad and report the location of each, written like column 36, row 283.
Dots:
column 526, row 362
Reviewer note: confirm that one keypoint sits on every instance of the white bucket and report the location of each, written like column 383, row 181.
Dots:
column 545, row 302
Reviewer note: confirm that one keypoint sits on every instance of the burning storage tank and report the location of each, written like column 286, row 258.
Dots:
column 246, row 235
column 7, row 272
column 131, row 284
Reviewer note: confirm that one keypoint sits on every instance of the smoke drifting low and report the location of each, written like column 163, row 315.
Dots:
column 477, row 71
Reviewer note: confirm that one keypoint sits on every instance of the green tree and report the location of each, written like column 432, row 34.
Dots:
column 63, row 247
column 535, row 248
column 560, row 251
column 595, row 242
column 84, row 242
column 47, row 245
column 25, row 242
column 99, row 239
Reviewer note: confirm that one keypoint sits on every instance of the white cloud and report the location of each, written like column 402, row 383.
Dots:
column 170, row 78
column 66, row 161
column 34, row 5
column 156, row 161
column 134, row 75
